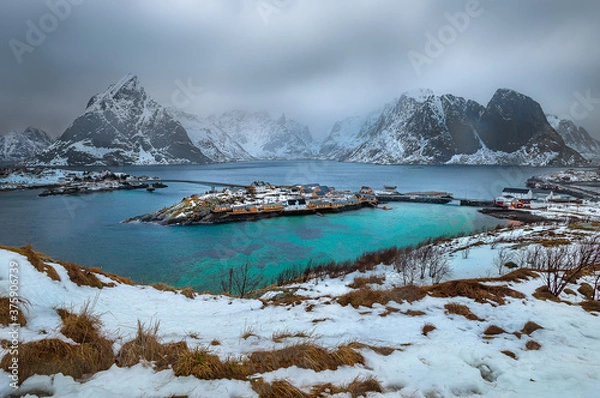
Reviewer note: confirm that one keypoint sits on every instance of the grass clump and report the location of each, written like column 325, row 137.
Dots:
column 147, row 346
column 366, row 297
column 359, row 387
column 427, row 328
column 206, row 366
column 83, row 276
column 510, row 354
column 586, row 291
column 278, row 337
column 530, row 327
column 463, row 310
column 493, row 330
column 543, row 293
column 533, row 345
column 475, row 290
column 360, row 282
column 305, row 356
column 188, row 292
column 6, row 318
column 590, row 306
column 36, row 260
column 277, row 389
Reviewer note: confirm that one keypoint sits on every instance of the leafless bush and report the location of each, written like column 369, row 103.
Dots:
column 240, row 281
column 503, row 257
column 416, row 265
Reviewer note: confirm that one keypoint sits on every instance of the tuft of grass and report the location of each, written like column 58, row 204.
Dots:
column 147, row 346
column 530, row 327
column 276, row 389
column 533, row 345
column 164, row 287
column 359, row 387
column 366, row 297
column 427, row 328
column 388, row 311
column 6, row 318
column 590, row 306
column 360, row 282
column 278, row 337
column 509, row 354
column 305, row 356
column 83, row 276
column 35, row 259
column 475, row 290
column 188, row 292
column 215, row 342
column 248, row 332
column 569, row 292
column 463, row 310
column 206, row 366
column 542, row 293
column 519, row 275
column 381, row 350
column 414, row 313
column 117, row 278
column 586, row 291
column 493, row 330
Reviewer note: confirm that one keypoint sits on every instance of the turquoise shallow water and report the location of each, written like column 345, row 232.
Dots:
column 86, row 229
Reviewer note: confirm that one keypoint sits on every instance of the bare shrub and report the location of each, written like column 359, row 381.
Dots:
column 463, row 310
column 241, row 280
column 427, row 328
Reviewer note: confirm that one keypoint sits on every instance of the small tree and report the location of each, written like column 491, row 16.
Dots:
column 501, row 259
column 240, row 281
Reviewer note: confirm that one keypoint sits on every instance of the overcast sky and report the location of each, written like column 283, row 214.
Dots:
column 316, row 60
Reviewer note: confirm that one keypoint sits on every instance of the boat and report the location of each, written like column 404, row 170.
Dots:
column 150, row 189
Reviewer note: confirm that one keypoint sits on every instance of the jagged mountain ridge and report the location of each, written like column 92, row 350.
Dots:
column 576, row 137
column 123, row 125
column 420, row 127
column 16, row 147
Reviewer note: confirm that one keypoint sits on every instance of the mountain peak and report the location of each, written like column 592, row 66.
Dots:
column 418, row 94
column 126, row 87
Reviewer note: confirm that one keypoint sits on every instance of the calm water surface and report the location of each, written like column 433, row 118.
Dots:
column 87, row 229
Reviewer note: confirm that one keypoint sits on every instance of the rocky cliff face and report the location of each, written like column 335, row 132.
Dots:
column 421, row 127
column 577, row 138
column 20, row 147
column 123, row 125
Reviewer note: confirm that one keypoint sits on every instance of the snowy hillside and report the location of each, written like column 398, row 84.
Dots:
column 577, row 138
column 123, row 125
column 421, row 127
column 266, row 138
column 19, row 147
column 360, row 333
column 213, row 141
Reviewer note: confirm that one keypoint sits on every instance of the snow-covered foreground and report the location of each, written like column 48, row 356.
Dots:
column 456, row 358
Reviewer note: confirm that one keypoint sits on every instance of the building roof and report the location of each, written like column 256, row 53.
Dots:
column 516, row 190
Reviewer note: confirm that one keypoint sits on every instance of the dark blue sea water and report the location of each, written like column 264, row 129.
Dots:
column 87, row 229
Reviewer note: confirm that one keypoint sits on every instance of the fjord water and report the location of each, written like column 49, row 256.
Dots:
column 87, row 229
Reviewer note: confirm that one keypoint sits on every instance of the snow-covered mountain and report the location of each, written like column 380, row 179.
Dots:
column 263, row 137
column 420, row 127
column 123, row 125
column 18, row 147
column 212, row 140
column 577, row 138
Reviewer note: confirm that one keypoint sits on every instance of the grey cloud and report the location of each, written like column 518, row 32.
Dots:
column 317, row 60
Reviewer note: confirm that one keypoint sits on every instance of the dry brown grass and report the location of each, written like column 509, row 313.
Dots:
column 248, row 332
column 305, row 356
column 388, row 311
column 206, row 366
column 278, row 337
column 475, row 290
column 360, row 282
column 493, row 330
column 519, row 275
column 286, row 298
column 414, row 313
column 359, row 387
column 188, row 292
column 530, row 327
column 427, row 328
column 36, row 259
column 586, row 291
column 83, row 276
column 381, row 350
column 463, row 310
column 533, row 345
column 52, row 356
column 5, row 316
column 117, row 278
column 510, row 354
column 590, row 306
column 147, row 346
column 92, row 354
column 366, row 297
column 215, row 342
column 164, row 287
column 570, row 292
column 542, row 293
column 277, row 389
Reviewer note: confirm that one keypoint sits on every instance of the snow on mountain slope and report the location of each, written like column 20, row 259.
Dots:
column 123, row 125
column 18, row 147
column 212, row 140
column 577, row 138
column 266, row 138
column 421, row 127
